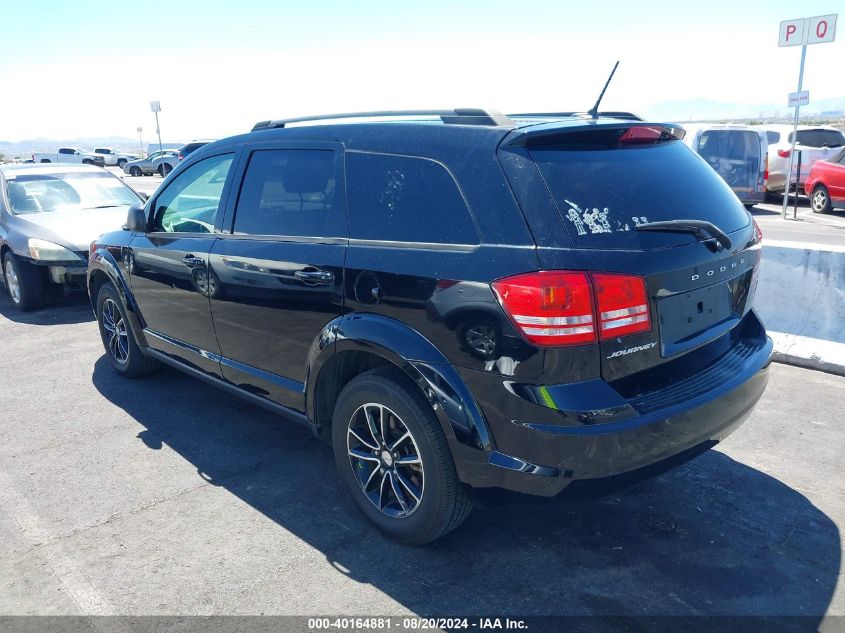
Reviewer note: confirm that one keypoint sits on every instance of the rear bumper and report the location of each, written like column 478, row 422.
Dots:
column 544, row 456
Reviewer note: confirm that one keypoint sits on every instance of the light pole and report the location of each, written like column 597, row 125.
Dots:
column 155, row 106
column 141, row 141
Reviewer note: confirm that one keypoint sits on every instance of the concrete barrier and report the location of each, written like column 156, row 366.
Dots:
column 801, row 300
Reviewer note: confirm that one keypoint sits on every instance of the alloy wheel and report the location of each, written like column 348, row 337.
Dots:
column 385, row 460
column 13, row 284
column 819, row 200
column 115, row 327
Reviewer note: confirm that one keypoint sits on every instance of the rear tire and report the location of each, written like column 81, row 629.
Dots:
column 24, row 283
column 122, row 163
column 122, row 349
column 430, row 501
column 820, row 200
column 87, row 162
column 45, row 160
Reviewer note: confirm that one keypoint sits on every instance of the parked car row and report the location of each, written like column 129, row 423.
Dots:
column 754, row 160
column 162, row 162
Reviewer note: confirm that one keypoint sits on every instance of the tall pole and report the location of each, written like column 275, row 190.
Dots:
column 158, row 129
column 794, row 135
column 140, row 141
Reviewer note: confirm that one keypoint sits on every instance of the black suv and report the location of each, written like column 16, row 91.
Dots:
column 464, row 300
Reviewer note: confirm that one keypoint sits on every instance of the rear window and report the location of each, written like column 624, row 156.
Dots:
column 730, row 144
column 603, row 194
column 772, row 137
column 819, row 138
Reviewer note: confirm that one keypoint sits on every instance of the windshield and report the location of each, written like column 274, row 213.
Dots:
column 39, row 193
column 820, row 138
column 602, row 194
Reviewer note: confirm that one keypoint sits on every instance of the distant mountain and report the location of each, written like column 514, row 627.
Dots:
column 707, row 109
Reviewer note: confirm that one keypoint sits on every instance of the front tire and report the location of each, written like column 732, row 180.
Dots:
column 122, row 349
column 165, row 169
column 135, row 171
column 393, row 457
column 820, row 200
column 122, row 163
column 24, row 283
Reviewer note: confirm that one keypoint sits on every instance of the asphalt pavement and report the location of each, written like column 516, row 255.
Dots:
column 801, row 224
column 165, row 496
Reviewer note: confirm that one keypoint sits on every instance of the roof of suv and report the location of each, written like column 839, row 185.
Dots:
column 418, row 134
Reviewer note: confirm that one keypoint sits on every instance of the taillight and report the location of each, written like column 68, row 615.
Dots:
column 640, row 134
column 555, row 308
column 783, row 153
column 549, row 308
column 622, row 304
column 757, row 232
column 766, row 171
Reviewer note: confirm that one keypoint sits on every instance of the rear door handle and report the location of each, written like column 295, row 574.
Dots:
column 192, row 261
column 322, row 277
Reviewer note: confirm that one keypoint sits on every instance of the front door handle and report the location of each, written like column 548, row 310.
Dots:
column 192, row 261
column 321, row 277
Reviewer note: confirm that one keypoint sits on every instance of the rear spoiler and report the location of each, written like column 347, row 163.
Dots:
column 547, row 133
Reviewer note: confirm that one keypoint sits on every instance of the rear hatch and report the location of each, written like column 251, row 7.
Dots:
column 592, row 195
column 815, row 144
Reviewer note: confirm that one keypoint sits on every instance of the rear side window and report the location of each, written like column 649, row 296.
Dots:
column 405, row 199
column 772, row 137
column 819, row 138
column 286, row 192
column 603, row 194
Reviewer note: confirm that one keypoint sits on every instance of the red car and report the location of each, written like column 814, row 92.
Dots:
column 826, row 184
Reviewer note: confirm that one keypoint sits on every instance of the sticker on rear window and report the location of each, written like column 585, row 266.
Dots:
column 596, row 221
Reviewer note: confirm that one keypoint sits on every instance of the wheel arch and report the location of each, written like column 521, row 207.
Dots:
column 356, row 343
column 102, row 268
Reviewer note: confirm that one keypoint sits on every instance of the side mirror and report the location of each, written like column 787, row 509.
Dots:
column 136, row 219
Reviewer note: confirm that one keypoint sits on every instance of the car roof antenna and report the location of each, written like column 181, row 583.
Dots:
column 594, row 113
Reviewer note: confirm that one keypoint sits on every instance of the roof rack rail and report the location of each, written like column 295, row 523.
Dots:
column 463, row 116
column 609, row 114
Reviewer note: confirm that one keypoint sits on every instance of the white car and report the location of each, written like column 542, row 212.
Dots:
column 70, row 155
column 113, row 157
column 815, row 142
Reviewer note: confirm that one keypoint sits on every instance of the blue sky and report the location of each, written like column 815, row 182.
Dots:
column 90, row 68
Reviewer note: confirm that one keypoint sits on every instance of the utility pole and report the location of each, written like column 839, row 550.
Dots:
column 155, row 106
column 141, row 141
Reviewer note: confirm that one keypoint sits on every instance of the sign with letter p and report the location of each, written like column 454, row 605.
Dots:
column 792, row 32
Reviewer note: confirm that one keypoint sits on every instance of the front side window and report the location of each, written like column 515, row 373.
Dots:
column 287, row 192
column 65, row 150
column 405, row 199
column 190, row 202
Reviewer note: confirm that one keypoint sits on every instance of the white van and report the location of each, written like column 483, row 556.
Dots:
column 738, row 153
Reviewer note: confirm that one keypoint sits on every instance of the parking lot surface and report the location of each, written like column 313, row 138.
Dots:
column 165, row 496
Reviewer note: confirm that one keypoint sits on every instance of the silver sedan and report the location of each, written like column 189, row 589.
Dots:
column 149, row 165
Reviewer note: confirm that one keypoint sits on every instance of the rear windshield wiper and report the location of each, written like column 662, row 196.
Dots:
column 702, row 229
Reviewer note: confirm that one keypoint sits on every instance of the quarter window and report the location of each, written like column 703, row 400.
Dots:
column 405, row 199
column 190, row 202
column 287, row 192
